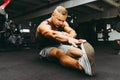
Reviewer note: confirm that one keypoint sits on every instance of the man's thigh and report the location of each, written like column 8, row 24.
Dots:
column 45, row 52
column 77, row 52
column 74, row 51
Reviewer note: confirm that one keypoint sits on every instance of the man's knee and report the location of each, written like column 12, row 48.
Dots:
column 56, row 52
column 89, row 49
column 74, row 52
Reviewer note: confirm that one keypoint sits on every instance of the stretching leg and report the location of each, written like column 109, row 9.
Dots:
column 74, row 52
column 64, row 59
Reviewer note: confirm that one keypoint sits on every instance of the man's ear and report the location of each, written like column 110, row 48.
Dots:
column 53, row 14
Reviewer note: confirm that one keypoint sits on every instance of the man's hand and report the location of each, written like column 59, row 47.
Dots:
column 75, row 42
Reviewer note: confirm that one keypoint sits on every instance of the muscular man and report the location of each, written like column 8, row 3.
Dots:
column 57, row 40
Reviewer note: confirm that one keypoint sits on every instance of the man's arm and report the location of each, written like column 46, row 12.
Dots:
column 68, row 39
column 69, row 30
column 46, row 30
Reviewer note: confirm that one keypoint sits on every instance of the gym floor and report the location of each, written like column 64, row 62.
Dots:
column 25, row 64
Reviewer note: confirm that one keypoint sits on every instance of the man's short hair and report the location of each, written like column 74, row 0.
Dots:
column 61, row 10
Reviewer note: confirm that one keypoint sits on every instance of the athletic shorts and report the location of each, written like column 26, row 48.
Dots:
column 46, row 51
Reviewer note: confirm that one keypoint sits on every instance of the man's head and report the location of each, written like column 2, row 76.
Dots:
column 61, row 10
column 59, row 15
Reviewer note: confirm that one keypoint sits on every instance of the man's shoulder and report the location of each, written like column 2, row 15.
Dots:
column 43, row 23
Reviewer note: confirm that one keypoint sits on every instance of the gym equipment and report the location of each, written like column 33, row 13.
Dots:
column 4, row 18
column 117, row 27
column 10, row 33
column 3, row 6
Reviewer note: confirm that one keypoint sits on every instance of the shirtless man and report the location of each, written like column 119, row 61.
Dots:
column 57, row 40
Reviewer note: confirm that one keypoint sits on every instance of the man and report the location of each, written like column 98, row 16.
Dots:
column 57, row 40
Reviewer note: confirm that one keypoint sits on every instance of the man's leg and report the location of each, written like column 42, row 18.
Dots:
column 74, row 52
column 64, row 59
column 87, row 59
column 71, row 51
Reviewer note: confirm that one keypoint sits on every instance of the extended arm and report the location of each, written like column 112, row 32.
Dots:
column 46, row 30
column 69, row 30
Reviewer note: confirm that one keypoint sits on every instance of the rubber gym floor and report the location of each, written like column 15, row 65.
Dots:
column 25, row 64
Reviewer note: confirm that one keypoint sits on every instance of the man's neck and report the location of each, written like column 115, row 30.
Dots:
column 51, row 24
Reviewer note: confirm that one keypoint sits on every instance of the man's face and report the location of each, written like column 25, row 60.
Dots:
column 58, row 19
